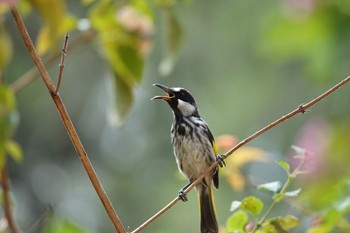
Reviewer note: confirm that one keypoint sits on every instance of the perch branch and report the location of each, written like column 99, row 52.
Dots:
column 68, row 123
column 301, row 109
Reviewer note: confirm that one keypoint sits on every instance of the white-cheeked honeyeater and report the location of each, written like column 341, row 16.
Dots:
column 195, row 151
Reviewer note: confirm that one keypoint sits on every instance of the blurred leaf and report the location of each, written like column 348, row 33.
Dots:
column 122, row 34
column 271, row 228
column 287, row 222
column 5, row 47
column 237, row 221
column 309, row 37
column 124, row 99
column 293, row 193
column 252, row 205
column 173, row 42
column 242, row 157
column 56, row 225
column 284, row 165
column 56, row 23
column 8, row 114
column 14, row 150
column 2, row 156
column 235, row 205
column 273, row 187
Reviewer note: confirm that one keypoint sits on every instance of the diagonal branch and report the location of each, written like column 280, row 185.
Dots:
column 67, row 123
column 301, row 109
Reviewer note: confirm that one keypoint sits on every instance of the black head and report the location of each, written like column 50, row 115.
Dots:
column 180, row 100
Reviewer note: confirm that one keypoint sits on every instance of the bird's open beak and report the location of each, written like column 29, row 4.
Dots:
column 167, row 90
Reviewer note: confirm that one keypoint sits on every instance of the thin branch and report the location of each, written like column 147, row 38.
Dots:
column 7, row 201
column 68, row 123
column 61, row 66
column 301, row 109
column 33, row 73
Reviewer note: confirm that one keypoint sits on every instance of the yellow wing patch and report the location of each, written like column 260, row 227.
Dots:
column 215, row 149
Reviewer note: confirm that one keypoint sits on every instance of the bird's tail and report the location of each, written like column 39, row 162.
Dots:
column 207, row 211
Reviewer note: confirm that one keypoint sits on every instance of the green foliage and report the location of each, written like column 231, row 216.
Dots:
column 56, row 225
column 5, row 46
column 8, row 124
column 56, row 22
column 252, row 205
column 237, row 221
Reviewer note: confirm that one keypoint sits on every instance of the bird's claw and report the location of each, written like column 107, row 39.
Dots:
column 182, row 195
column 220, row 160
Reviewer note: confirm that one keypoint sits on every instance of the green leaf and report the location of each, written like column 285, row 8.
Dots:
column 124, row 99
column 252, row 205
column 173, row 43
column 235, row 205
column 273, row 187
column 288, row 222
column 5, row 47
column 284, row 165
column 8, row 114
column 56, row 23
column 293, row 193
column 56, row 225
column 14, row 150
column 237, row 221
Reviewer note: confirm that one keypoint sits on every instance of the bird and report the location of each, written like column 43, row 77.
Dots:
column 195, row 151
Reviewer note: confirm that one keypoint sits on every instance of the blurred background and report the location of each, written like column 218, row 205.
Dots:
column 247, row 64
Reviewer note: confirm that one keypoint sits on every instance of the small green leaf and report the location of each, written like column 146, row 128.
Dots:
column 270, row 228
column 252, row 205
column 237, row 221
column 288, row 222
column 284, row 165
column 293, row 193
column 235, row 205
column 273, row 187
column 56, row 225
column 14, row 150
column 5, row 47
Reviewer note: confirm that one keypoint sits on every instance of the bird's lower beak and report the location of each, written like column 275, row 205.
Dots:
column 167, row 90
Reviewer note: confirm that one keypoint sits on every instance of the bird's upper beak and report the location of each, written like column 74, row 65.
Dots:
column 167, row 90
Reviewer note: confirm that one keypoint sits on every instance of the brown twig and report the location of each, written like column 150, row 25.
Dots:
column 33, row 73
column 61, row 66
column 301, row 109
column 7, row 201
column 68, row 123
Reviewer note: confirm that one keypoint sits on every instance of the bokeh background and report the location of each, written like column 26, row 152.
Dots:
column 246, row 62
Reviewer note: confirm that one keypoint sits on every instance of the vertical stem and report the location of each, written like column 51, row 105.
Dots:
column 7, row 201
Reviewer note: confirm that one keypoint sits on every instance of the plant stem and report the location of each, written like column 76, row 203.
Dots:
column 68, row 123
column 7, row 201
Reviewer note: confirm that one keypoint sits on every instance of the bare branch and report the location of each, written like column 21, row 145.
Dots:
column 301, row 109
column 33, row 73
column 68, row 123
column 7, row 201
column 61, row 66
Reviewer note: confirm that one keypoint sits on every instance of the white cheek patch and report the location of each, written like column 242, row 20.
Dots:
column 185, row 108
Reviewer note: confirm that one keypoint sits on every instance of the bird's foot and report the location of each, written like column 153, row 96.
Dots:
column 182, row 195
column 220, row 160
